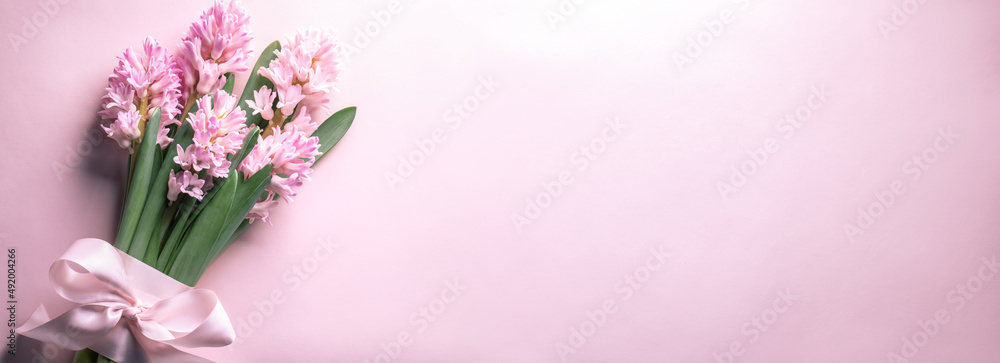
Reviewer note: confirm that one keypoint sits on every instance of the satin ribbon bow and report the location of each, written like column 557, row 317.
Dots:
column 127, row 310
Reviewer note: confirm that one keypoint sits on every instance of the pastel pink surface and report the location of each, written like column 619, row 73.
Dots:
column 356, row 259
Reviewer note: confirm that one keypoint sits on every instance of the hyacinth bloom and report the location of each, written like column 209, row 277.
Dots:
column 219, row 129
column 303, row 122
column 125, row 128
column 140, row 82
column 216, row 44
column 292, row 154
column 261, row 103
column 185, row 182
column 304, row 72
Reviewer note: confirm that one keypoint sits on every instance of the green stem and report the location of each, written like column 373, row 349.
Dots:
column 152, row 208
column 128, row 173
column 165, row 223
column 147, row 241
column 142, row 177
column 85, row 356
column 153, row 249
column 172, row 246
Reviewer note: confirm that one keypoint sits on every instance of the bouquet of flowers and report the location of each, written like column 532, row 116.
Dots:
column 204, row 163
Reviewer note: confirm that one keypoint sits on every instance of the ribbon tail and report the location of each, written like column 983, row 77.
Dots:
column 122, row 344
column 66, row 331
column 165, row 353
column 39, row 317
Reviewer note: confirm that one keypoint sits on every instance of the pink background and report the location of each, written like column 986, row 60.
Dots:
column 524, row 294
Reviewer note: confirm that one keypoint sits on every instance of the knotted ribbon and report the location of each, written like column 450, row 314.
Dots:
column 127, row 310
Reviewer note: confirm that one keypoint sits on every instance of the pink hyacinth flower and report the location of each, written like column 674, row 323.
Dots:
column 262, row 102
column 303, row 122
column 185, row 182
column 291, row 153
column 149, row 78
column 261, row 210
column 216, row 44
column 219, row 130
column 124, row 129
column 305, row 71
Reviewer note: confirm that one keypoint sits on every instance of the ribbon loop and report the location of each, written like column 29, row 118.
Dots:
column 127, row 310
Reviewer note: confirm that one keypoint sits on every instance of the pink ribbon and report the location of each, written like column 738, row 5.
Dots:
column 127, row 310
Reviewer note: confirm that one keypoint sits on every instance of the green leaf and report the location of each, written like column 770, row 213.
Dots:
column 142, row 177
column 177, row 232
column 230, row 83
column 140, row 237
column 85, row 356
column 256, row 81
column 249, row 192
column 152, row 215
column 191, row 261
column 333, row 129
column 153, row 246
column 179, row 226
column 248, row 143
column 239, row 230
column 211, row 230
